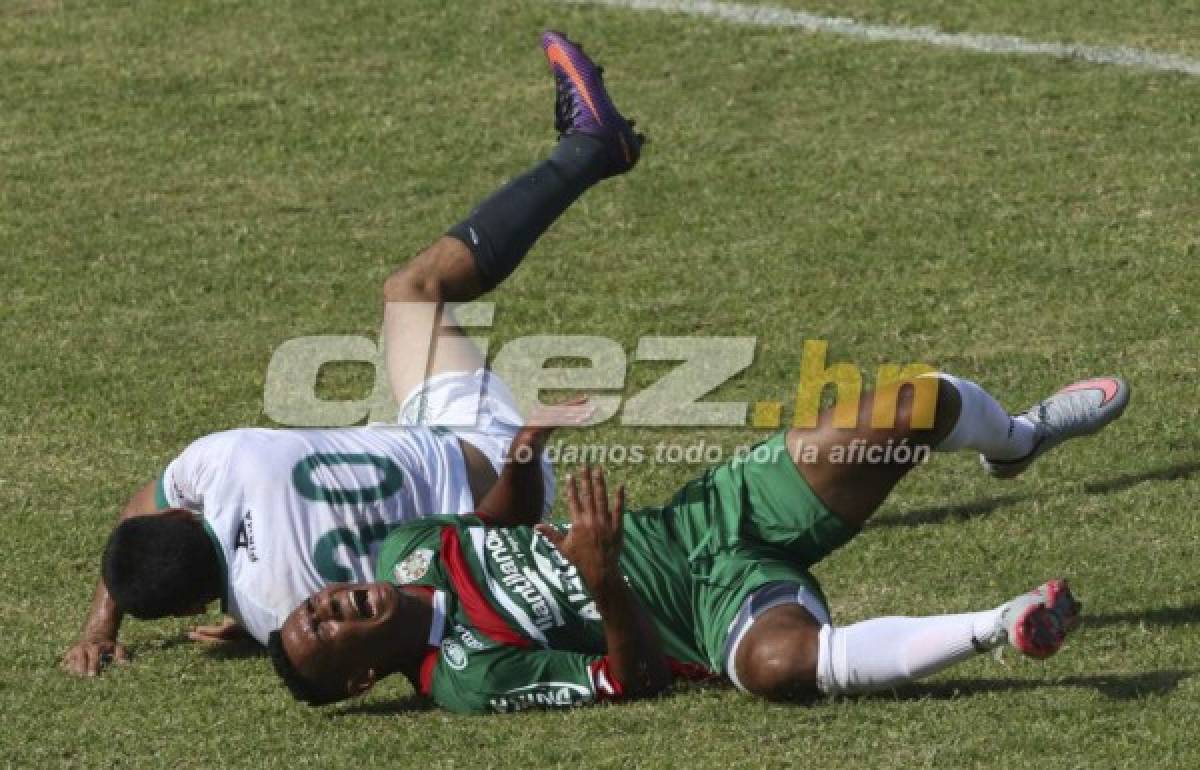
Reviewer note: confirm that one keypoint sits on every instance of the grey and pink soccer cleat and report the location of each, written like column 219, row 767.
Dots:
column 582, row 104
column 1080, row 409
column 1037, row 623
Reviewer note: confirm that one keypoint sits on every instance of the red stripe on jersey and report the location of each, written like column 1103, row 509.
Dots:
column 693, row 672
column 481, row 613
column 607, row 686
column 427, row 665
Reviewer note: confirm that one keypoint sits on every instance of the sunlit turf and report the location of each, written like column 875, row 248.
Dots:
column 184, row 186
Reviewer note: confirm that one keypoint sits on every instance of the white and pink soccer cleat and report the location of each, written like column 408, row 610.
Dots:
column 1080, row 409
column 1037, row 623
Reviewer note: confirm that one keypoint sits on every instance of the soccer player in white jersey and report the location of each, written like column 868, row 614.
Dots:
column 261, row 519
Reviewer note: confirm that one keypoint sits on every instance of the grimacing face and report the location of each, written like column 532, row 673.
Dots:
column 340, row 637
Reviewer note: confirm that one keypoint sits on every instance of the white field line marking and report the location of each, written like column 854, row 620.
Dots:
column 772, row 16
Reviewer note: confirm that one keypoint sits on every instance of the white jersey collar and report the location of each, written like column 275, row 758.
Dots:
column 437, row 624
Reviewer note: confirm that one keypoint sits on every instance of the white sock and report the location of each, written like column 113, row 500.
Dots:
column 886, row 652
column 984, row 425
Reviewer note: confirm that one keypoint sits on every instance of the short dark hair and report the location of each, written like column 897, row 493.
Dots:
column 301, row 689
column 159, row 565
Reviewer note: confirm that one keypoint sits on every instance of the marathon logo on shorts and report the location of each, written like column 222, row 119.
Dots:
column 541, row 695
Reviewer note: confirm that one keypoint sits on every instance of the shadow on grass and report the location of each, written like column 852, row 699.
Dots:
column 1166, row 473
column 985, row 506
column 388, row 707
column 239, row 650
column 958, row 511
column 1158, row 616
column 1115, row 686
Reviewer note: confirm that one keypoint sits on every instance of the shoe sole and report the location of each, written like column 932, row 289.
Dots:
column 1042, row 628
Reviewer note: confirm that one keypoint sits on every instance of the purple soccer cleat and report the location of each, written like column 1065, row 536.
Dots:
column 582, row 104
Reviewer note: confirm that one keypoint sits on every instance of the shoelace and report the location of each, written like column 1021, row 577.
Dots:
column 566, row 109
column 1068, row 411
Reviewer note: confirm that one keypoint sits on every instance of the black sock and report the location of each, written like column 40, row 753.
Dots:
column 502, row 229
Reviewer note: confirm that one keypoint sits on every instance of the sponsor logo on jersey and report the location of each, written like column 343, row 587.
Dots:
column 541, row 695
column 468, row 637
column 523, row 581
column 245, row 536
column 454, row 654
column 562, row 575
column 413, row 567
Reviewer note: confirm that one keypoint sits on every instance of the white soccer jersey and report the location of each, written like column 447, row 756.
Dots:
column 293, row 510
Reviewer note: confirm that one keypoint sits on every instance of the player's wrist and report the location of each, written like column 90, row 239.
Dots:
column 608, row 585
column 99, row 632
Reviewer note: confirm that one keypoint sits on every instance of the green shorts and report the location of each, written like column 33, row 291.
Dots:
column 743, row 524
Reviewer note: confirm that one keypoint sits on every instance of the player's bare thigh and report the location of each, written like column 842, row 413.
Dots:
column 851, row 483
column 414, row 310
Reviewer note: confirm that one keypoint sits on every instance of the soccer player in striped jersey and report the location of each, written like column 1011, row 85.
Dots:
column 259, row 519
column 484, row 616
column 494, row 612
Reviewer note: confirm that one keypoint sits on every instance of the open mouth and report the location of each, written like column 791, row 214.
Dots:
column 361, row 599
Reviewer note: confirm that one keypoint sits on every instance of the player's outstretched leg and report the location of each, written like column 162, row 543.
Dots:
column 595, row 142
column 856, row 468
column 786, row 654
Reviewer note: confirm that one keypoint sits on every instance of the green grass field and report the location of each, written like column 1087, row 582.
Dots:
column 184, row 186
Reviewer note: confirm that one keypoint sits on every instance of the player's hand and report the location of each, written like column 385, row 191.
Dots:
column 88, row 656
column 573, row 413
column 224, row 632
column 593, row 543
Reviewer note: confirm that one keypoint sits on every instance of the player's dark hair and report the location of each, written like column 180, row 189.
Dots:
column 159, row 565
column 300, row 688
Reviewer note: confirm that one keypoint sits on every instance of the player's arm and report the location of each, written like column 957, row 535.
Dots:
column 98, row 641
column 635, row 661
column 507, row 679
column 517, row 498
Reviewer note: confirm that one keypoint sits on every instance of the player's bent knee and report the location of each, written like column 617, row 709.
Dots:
column 413, row 282
column 444, row 272
column 780, row 665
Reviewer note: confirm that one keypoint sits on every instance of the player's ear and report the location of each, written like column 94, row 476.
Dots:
column 359, row 684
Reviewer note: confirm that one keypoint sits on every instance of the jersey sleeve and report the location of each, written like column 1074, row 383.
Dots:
column 411, row 535
column 188, row 477
column 508, row 679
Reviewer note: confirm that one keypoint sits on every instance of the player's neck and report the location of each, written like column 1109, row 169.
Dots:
column 412, row 635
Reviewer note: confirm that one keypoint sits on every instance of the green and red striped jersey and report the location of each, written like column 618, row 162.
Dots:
column 514, row 625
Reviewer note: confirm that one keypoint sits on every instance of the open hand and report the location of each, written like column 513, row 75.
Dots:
column 593, row 543
column 531, row 439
